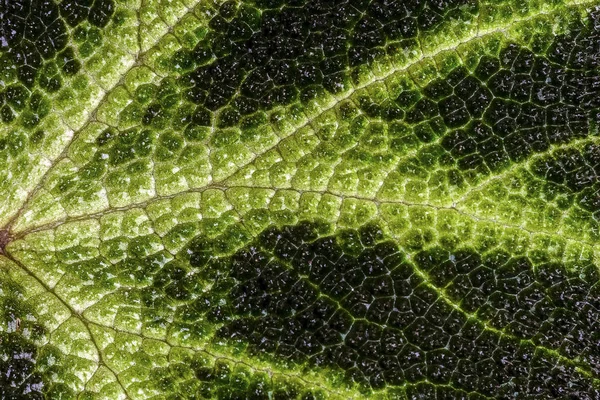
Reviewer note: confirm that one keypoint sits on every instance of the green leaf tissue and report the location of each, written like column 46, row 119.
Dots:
column 300, row 199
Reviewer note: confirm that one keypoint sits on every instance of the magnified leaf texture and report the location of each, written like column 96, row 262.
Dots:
column 303, row 199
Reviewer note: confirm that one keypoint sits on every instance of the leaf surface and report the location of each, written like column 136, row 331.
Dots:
column 269, row 199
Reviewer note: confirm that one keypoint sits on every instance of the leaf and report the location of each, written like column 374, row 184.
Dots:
column 269, row 199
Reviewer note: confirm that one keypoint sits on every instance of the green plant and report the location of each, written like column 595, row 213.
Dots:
column 303, row 199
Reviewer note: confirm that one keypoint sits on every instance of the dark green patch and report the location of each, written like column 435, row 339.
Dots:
column 517, row 104
column 34, row 40
column 23, row 373
column 97, row 12
column 272, row 53
column 354, row 302
column 577, row 171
